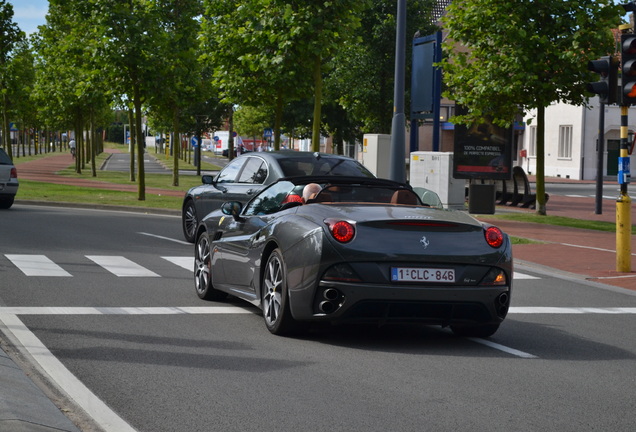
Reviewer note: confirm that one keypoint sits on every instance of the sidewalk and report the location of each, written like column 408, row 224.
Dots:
column 584, row 254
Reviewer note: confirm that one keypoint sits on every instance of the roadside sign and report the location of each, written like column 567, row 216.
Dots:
column 194, row 141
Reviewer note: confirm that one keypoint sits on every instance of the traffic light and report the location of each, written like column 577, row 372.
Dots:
column 628, row 69
column 606, row 88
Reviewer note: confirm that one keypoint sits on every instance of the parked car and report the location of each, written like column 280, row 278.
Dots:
column 360, row 250
column 8, row 181
column 249, row 173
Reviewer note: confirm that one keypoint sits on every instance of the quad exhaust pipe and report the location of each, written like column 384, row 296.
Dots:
column 332, row 299
column 502, row 303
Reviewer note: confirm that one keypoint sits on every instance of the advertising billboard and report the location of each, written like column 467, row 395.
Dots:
column 482, row 151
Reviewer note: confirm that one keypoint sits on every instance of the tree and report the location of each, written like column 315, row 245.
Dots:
column 255, row 55
column 177, row 85
column 324, row 26
column 70, row 81
column 361, row 79
column 503, row 58
column 128, row 53
column 9, row 37
column 19, row 79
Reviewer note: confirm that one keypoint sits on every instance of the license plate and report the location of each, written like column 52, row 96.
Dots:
column 418, row 274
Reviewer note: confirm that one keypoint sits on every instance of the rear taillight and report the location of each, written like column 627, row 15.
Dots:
column 494, row 236
column 342, row 231
column 495, row 277
column 14, row 173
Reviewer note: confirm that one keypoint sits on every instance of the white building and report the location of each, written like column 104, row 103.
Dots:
column 571, row 135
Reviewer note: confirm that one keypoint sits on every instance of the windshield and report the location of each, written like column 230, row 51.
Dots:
column 323, row 166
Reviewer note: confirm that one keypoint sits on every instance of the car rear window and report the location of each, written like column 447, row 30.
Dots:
column 323, row 166
column 4, row 158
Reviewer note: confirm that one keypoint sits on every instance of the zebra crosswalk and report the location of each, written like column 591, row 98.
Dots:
column 120, row 266
column 41, row 265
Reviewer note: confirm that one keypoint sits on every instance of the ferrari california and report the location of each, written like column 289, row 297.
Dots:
column 350, row 249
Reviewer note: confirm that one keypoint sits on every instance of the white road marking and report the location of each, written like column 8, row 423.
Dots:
column 572, row 310
column 165, row 238
column 517, row 275
column 73, row 387
column 122, row 267
column 504, row 348
column 185, row 262
column 37, row 265
column 210, row 310
column 81, row 310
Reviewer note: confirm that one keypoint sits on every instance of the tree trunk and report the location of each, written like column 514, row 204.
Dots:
column 278, row 120
column 315, row 133
column 176, row 147
column 92, row 144
column 141, row 174
column 540, row 181
column 6, row 130
column 131, row 146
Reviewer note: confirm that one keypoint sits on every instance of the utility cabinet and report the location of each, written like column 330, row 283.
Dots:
column 434, row 171
column 376, row 154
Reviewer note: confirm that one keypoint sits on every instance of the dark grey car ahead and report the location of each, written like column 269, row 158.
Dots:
column 250, row 173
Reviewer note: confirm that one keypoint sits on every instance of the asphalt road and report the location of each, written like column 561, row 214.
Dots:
column 110, row 301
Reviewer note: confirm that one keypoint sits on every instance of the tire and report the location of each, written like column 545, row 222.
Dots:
column 6, row 202
column 275, row 301
column 203, row 271
column 478, row 331
column 189, row 221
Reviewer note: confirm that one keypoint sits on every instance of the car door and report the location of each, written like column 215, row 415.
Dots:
column 212, row 196
column 241, row 242
column 249, row 181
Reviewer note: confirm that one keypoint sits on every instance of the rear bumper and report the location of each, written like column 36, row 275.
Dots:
column 8, row 189
column 344, row 302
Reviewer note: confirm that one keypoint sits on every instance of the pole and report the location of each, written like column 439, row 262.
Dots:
column 599, row 160
column 623, row 203
column 397, row 170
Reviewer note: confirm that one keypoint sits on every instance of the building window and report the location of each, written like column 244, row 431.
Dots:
column 532, row 144
column 565, row 142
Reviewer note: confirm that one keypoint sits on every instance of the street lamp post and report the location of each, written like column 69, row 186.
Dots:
column 397, row 169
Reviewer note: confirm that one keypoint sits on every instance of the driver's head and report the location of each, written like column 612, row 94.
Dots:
column 310, row 191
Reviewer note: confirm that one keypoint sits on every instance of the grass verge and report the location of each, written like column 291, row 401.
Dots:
column 39, row 191
column 560, row 221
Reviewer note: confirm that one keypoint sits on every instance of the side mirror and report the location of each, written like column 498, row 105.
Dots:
column 207, row 179
column 232, row 208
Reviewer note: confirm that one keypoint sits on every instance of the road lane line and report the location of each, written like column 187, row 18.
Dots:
column 504, row 348
column 37, row 265
column 165, row 238
column 183, row 310
column 517, row 275
column 64, row 379
column 218, row 310
column 185, row 262
column 120, row 266
column 571, row 310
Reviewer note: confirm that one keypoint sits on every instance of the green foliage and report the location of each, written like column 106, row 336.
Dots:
column 10, row 36
column 507, row 57
column 363, row 67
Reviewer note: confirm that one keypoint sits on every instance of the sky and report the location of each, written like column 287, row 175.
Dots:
column 29, row 14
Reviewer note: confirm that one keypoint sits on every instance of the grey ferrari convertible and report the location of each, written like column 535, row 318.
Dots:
column 351, row 249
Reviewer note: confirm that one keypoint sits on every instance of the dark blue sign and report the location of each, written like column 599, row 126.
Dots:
column 624, row 175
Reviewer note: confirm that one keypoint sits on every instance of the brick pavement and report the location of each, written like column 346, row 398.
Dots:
column 585, row 254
